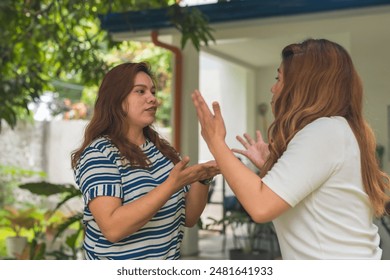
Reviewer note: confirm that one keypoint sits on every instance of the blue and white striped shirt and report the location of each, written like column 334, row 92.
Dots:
column 100, row 172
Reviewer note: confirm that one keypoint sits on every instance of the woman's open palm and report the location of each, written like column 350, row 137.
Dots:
column 256, row 151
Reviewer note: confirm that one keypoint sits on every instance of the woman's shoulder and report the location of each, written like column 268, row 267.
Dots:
column 331, row 130
column 334, row 124
column 100, row 141
column 102, row 144
column 334, row 120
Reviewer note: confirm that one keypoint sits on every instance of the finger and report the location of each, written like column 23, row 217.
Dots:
column 200, row 104
column 185, row 160
column 259, row 136
column 237, row 151
column 249, row 138
column 195, row 99
column 217, row 111
column 245, row 144
column 202, row 110
column 183, row 163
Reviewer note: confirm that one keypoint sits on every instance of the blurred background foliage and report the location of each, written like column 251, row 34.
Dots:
column 58, row 46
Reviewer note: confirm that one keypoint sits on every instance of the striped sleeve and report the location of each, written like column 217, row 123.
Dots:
column 98, row 175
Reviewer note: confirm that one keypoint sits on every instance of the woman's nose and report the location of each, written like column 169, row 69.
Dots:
column 151, row 98
column 272, row 89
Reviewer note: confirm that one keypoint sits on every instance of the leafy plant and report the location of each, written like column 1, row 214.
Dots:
column 192, row 24
column 25, row 222
column 62, row 227
column 34, row 251
column 46, row 41
column 18, row 219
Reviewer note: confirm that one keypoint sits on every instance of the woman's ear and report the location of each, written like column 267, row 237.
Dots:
column 124, row 107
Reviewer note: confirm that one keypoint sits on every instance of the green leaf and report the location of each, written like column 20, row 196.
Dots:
column 77, row 218
column 47, row 189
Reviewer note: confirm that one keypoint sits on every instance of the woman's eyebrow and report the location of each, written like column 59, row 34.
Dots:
column 143, row 85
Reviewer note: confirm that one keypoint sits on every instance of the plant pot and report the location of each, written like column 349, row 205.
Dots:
column 15, row 245
column 239, row 254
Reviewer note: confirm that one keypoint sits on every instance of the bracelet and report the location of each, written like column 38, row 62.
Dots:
column 206, row 181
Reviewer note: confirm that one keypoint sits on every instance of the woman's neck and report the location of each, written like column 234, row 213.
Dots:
column 136, row 137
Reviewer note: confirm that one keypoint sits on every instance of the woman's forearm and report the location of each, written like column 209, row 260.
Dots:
column 196, row 200
column 118, row 221
column 245, row 184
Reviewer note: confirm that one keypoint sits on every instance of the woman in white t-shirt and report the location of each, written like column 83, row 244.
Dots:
column 320, row 182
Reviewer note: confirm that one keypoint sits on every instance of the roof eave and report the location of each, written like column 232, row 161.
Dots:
column 156, row 19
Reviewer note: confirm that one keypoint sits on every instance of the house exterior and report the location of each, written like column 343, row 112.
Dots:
column 238, row 69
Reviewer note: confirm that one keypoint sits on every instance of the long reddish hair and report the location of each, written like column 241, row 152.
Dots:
column 109, row 118
column 320, row 80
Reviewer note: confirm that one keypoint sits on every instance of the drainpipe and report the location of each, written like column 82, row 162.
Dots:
column 178, row 88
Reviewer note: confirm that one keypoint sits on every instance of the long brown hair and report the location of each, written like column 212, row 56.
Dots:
column 109, row 118
column 320, row 80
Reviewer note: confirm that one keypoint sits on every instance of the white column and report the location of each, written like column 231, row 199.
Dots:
column 189, row 130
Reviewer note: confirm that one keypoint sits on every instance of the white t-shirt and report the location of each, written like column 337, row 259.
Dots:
column 319, row 176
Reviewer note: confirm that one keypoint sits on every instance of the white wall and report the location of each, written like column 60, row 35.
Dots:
column 22, row 146
column 65, row 136
column 226, row 83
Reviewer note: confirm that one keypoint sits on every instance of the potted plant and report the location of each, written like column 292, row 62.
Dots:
column 18, row 220
column 42, row 228
column 251, row 241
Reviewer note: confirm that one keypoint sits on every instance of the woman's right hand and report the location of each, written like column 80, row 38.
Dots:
column 212, row 125
column 257, row 152
column 182, row 174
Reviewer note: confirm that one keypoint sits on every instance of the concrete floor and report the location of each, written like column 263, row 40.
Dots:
column 211, row 246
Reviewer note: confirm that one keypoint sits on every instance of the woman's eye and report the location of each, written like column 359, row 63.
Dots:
column 277, row 78
column 141, row 91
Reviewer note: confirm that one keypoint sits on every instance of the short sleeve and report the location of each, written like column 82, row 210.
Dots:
column 98, row 175
column 311, row 157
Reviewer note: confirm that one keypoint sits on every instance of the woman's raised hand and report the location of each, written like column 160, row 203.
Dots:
column 256, row 151
column 212, row 125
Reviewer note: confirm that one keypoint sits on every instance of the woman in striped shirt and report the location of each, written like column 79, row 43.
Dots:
column 138, row 193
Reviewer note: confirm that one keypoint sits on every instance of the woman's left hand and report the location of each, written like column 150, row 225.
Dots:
column 256, row 151
column 212, row 125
